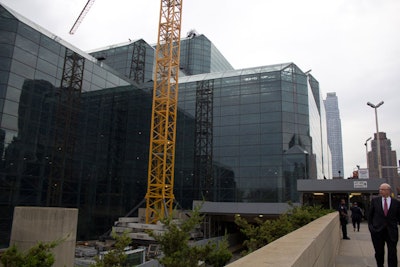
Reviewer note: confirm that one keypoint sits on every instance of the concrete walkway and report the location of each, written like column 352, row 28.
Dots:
column 358, row 251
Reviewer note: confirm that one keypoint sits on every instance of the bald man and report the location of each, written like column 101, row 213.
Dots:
column 383, row 218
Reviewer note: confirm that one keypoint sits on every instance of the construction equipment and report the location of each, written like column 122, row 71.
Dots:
column 81, row 16
column 160, row 185
column 68, row 98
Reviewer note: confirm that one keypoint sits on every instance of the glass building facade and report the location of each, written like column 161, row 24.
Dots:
column 74, row 128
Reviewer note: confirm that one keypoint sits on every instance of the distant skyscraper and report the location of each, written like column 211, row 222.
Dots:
column 388, row 158
column 334, row 128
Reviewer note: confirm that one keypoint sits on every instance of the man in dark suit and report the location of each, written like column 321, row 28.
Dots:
column 343, row 217
column 383, row 218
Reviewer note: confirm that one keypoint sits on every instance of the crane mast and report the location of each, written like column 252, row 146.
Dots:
column 160, row 184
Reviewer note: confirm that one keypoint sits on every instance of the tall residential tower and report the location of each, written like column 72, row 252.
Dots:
column 334, row 128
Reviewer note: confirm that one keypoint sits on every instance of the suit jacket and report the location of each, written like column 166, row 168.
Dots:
column 377, row 221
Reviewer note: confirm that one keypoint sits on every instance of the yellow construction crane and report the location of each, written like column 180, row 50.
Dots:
column 160, row 184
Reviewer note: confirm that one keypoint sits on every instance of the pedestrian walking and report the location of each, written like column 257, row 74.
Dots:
column 383, row 220
column 344, row 219
column 356, row 216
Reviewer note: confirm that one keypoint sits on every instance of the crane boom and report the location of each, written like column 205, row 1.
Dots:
column 82, row 15
column 160, row 185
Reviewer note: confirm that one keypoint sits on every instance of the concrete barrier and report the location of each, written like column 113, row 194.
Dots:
column 34, row 224
column 313, row 245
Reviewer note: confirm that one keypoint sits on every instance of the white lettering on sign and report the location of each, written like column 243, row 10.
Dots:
column 360, row 184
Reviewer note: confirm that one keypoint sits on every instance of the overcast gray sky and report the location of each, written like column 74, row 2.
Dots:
column 352, row 46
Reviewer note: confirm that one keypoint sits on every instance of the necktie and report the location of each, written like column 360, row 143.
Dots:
column 385, row 207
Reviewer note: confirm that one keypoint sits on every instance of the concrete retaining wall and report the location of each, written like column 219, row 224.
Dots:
column 34, row 224
column 314, row 245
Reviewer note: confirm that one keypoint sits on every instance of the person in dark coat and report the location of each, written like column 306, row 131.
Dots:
column 356, row 216
column 343, row 217
column 383, row 220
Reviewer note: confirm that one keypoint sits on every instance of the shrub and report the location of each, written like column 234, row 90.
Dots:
column 39, row 255
column 177, row 252
column 261, row 232
column 115, row 256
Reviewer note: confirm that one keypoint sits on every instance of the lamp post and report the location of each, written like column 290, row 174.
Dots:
column 377, row 135
column 366, row 150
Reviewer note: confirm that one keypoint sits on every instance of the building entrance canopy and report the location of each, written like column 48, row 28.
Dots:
column 329, row 192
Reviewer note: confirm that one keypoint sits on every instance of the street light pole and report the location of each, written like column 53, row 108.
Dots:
column 377, row 135
column 366, row 151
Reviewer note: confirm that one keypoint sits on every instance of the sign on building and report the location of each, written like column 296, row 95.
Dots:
column 363, row 173
column 360, row 184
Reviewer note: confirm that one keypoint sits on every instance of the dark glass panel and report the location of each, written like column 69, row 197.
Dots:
column 302, row 99
column 4, row 77
column 7, row 21
column 251, row 139
column 22, row 69
column 16, row 80
column 270, row 138
column 48, row 55
column 250, row 171
column 229, row 91
column 302, row 109
column 39, row 75
column 28, row 32
column 7, row 37
column 229, row 120
column 13, row 93
column 246, row 99
column 271, row 117
column 230, row 100
column 288, row 106
column 11, row 107
column 47, row 67
column 6, row 51
column 27, row 44
column 50, row 44
column 249, row 129
column 25, row 56
column 249, row 118
column 270, row 107
column 272, row 127
column 228, row 110
column 272, row 96
column 250, row 108
column 9, row 122
column 288, row 127
column 226, row 130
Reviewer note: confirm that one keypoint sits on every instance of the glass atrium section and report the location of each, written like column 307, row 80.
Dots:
column 260, row 132
column 134, row 60
column 198, row 55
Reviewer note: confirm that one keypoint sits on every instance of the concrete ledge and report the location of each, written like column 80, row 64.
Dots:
column 315, row 244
